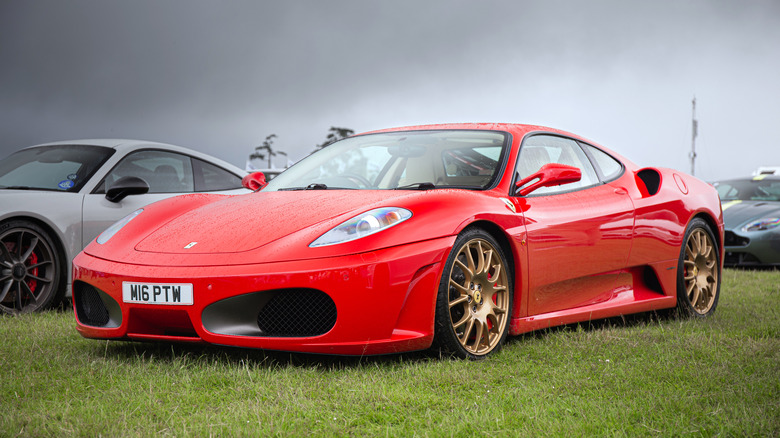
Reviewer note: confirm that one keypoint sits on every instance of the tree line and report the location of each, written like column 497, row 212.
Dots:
column 266, row 149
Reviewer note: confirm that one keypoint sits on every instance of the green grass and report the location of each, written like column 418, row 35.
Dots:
column 644, row 376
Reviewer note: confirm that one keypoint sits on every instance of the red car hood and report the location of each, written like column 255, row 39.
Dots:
column 246, row 222
column 266, row 227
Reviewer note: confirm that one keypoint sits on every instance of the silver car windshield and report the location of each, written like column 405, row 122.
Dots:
column 415, row 160
column 64, row 168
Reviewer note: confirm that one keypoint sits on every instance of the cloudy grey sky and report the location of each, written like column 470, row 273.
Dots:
column 218, row 76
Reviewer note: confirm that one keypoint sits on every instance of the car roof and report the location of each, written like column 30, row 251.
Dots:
column 127, row 145
column 516, row 127
column 765, row 177
column 105, row 142
column 512, row 128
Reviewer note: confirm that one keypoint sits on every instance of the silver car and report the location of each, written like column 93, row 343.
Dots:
column 56, row 197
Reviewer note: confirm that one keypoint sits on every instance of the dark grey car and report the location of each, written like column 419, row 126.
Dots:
column 751, row 214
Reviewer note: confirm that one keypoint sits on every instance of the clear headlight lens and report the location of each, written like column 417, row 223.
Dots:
column 763, row 224
column 363, row 225
column 113, row 229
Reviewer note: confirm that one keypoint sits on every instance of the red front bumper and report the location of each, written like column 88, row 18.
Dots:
column 384, row 300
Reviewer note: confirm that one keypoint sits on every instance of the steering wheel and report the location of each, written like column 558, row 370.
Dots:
column 358, row 179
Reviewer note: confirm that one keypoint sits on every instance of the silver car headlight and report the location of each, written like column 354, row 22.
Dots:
column 763, row 224
column 113, row 229
column 363, row 225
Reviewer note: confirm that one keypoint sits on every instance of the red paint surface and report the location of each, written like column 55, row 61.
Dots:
column 576, row 256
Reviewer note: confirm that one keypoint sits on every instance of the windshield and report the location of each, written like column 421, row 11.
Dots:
column 64, row 168
column 749, row 190
column 417, row 160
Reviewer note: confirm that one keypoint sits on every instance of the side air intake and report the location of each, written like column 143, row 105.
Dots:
column 648, row 181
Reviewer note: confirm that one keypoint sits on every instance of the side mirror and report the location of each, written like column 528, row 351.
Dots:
column 551, row 174
column 254, row 181
column 127, row 185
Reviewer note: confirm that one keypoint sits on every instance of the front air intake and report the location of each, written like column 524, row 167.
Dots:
column 89, row 307
column 95, row 308
column 297, row 313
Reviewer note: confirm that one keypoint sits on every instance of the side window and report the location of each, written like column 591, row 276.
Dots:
column 209, row 177
column 165, row 172
column 610, row 167
column 539, row 150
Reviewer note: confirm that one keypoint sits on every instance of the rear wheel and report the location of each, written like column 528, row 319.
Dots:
column 474, row 299
column 31, row 273
column 698, row 280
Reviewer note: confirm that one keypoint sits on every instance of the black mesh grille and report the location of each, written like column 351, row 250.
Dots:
column 732, row 239
column 297, row 312
column 89, row 307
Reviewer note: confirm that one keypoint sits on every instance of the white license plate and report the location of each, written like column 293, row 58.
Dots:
column 157, row 293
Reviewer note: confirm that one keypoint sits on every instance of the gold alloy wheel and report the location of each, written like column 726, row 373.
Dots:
column 478, row 297
column 700, row 271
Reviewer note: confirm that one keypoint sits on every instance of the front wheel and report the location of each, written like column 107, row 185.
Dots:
column 474, row 300
column 31, row 273
column 698, row 279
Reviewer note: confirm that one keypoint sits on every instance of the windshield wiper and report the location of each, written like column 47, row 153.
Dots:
column 417, row 186
column 312, row 186
column 315, row 186
column 16, row 187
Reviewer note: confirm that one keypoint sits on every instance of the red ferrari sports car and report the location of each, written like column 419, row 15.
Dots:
column 396, row 240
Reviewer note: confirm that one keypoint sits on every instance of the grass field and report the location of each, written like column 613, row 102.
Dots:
column 645, row 375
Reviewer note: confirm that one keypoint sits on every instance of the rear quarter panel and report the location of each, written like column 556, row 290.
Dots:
column 662, row 218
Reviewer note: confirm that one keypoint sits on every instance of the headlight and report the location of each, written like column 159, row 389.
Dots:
column 763, row 224
column 363, row 225
column 113, row 229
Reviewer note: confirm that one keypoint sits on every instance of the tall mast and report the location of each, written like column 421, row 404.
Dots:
column 694, row 132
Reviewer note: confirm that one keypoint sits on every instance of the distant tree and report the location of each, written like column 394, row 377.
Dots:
column 265, row 150
column 334, row 134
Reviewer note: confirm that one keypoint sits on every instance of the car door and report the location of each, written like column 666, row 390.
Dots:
column 167, row 173
column 578, row 234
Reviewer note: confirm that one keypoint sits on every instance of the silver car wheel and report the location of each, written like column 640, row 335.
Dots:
column 29, row 268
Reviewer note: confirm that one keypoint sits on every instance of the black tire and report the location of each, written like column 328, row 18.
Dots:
column 698, row 277
column 474, row 301
column 32, row 274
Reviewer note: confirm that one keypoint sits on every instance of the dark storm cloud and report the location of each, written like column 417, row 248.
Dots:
column 125, row 55
column 220, row 76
